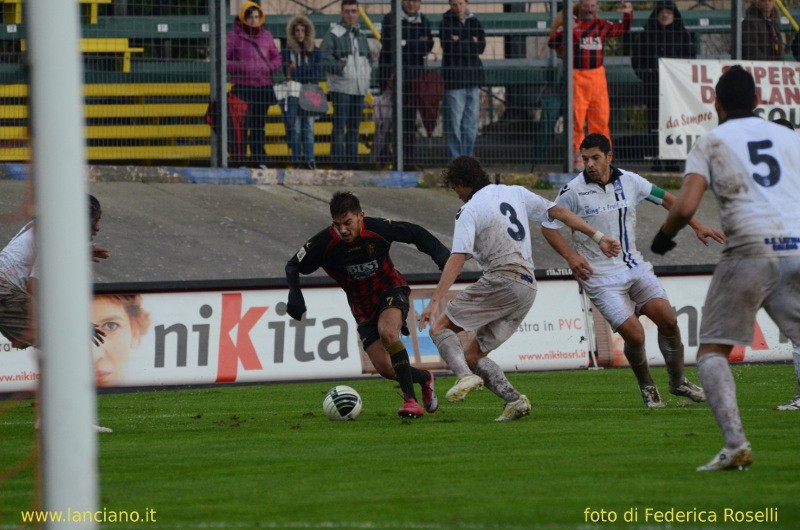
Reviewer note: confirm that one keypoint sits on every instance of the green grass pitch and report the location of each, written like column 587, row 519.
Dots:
column 266, row 457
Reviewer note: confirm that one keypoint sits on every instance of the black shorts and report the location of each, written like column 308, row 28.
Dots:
column 397, row 297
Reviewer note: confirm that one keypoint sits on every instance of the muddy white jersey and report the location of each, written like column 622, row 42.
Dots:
column 18, row 258
column 610, row 209
column 492, row 227
column 753, row 168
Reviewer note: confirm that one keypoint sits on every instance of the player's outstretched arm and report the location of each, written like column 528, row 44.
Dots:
column 579, row 266
column 453, row 267
column 702, row 231
column 296, row 304
column 681, row 212
column 610, row 246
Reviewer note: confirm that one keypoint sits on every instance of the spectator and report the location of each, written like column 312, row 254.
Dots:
column 761, row 33
column 252, row 59
column 664, row 35
column 416, row 41
column 590, row 95
column 302, row 62
column 348, row 64
column 463, row 41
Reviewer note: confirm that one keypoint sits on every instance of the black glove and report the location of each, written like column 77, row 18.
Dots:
column 296, row 305
column 662, row 243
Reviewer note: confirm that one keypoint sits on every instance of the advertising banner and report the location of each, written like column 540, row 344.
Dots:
column 686, row 89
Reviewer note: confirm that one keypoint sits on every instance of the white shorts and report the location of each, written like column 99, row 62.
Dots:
column 14, row 317
column 493, row 307
column 621, row 295
column 740, row 287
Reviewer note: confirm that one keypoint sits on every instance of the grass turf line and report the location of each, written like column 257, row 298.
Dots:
column 266, row 456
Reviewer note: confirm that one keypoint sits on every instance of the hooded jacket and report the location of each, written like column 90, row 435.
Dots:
column 461, row 62
column 245, row 65
column 673, row 41
column 307, row 58
column 761, row 36
column 414, row 46
column 347, row 59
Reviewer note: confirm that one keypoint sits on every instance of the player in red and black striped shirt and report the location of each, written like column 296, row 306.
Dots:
column 590, row 96
column 354, row 251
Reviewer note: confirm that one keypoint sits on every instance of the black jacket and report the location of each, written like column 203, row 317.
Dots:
column 414, row 47
column 673, row 41
column 461, row 63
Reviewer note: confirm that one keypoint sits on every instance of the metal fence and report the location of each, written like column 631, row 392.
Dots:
column 152, row 66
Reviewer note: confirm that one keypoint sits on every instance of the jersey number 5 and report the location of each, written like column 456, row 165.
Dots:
column 508, row 210
column 757, row 157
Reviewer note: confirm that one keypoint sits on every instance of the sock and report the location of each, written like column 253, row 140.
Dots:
column 449, row 346
column 672, row 350
column 796, row 356
column 402, row 369
column 495, row 380
column 720, row 389
column 419, row 376
column 638, row 361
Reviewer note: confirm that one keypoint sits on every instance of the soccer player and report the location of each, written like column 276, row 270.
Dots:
column 354, row 251
column 753, row 168
column 624, row 287
column 492, row 226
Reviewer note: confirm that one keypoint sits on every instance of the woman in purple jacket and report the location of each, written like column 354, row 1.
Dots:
column 252, row 59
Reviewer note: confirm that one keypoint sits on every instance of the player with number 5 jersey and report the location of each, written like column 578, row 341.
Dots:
column 753, row 168
column 492, row 227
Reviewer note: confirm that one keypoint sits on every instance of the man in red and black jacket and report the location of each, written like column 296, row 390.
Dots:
column 354, row 251
column 590, row 98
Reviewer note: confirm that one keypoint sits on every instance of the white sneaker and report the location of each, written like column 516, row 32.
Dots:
column 794, row 404
column 688, row 390
column 100, row 428
column 516, row 409
column 739, row 458
column 464, row 386
column 651, row 397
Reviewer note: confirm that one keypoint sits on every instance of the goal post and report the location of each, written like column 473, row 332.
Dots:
column 67, row 391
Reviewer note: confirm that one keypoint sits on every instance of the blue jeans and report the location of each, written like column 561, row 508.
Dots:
column 461, row 108
column 299, row 132
column 347, row 111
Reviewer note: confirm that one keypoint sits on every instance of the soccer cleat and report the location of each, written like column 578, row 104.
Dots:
column 410, row 409
column 651, row 397
column 100, row 428
column 729, row 459
column 464, row 386
column 793, row 404
column 688, row 390
column 429, row 398
column 516, row 409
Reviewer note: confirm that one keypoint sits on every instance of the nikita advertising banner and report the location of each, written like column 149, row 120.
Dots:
column 686, row 88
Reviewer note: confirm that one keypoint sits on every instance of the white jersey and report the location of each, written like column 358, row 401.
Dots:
column 610, row 209
column 753, row 168
column 18, row 258
column 492, row 227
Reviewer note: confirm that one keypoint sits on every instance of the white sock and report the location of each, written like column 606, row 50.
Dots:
column 449, row 346
column 720, row 388
column 495, row 380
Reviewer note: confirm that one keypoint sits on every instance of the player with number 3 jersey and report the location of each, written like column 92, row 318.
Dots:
column 492, row 227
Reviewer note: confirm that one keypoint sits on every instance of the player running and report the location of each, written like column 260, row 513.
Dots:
column 493, row 227
column 624, row 287
column 354, row 251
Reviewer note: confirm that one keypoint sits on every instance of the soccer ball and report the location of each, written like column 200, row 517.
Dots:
column 342, row 403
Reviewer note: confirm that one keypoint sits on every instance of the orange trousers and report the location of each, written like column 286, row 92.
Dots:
column 590, row 102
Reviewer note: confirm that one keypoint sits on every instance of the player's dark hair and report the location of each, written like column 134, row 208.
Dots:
column 94, row 207
column 782, row 121
column 736, row 90
column 465, row 171
column 344, row 202
column 597, row 140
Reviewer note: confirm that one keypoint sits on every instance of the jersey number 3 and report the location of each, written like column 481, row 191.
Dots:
column 508, row 210
column 757, row 157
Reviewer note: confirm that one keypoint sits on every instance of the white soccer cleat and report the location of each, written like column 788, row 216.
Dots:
column 793, row 404
column 516, row 409
column 100, row 428
column 730, row 459
column 688, row 390
column 464, row 386
column 651, row 397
